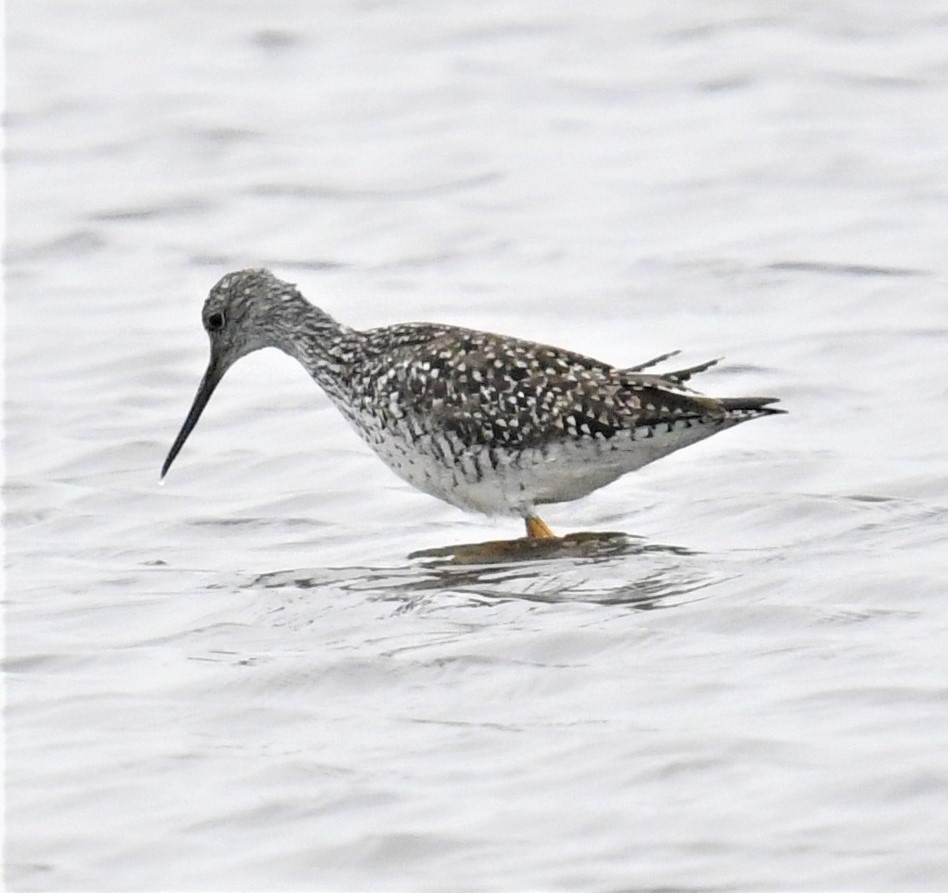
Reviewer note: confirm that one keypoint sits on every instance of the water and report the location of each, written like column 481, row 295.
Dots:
column 241, row 681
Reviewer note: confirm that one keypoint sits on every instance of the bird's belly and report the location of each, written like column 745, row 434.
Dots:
column 510, row 481
column 472, row 478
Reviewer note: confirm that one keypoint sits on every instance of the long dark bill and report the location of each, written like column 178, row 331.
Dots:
column 211, row 379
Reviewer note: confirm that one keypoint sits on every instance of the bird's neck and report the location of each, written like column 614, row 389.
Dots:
column 324, row 347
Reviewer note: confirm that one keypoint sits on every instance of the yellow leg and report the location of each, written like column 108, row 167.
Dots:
column 537, row 530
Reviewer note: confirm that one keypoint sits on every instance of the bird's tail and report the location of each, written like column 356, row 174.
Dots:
column 750, row 407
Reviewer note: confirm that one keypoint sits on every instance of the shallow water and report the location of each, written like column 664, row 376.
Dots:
column 240, row 680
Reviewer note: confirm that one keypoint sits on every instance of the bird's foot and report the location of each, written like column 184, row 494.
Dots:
column 537, row 529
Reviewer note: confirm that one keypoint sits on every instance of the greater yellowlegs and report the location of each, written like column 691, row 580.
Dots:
column 485, row 422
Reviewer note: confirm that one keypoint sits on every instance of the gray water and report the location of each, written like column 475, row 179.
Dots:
column 240, row 681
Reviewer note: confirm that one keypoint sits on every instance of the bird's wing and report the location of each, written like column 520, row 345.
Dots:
column 492, row 390
column 654, row 399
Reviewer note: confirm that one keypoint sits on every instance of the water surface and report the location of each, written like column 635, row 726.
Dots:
column 240, row 680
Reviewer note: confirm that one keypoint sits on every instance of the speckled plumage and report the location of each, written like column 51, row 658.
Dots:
column 485, row 422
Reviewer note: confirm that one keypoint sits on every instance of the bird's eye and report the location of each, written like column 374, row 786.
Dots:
column 215, row 322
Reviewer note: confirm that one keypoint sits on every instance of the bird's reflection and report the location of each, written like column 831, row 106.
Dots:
column 574, row 545
column 607, row 569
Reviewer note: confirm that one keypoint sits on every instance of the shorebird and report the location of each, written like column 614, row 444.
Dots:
column 485, row 422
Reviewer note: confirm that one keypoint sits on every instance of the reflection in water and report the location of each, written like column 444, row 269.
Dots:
column 573, row 545
column 608, row 569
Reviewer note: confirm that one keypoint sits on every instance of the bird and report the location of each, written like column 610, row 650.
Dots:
column 485, row 422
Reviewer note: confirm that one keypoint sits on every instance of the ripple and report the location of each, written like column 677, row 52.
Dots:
column 840, row 269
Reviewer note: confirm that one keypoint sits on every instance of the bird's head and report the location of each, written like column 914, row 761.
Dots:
column 243, row 313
